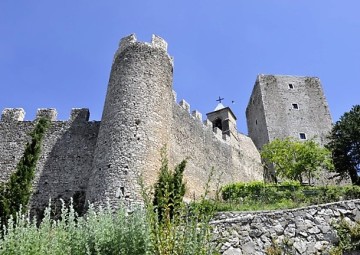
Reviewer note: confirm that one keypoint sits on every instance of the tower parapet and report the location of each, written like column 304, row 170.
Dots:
column 49, row 113
column 12, row 114
column 79, row 115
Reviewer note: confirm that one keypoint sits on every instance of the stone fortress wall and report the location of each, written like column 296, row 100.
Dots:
column 95, row 160
column 67, row 153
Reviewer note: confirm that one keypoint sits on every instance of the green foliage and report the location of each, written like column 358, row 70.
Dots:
column 261, row 196
column 345, row 145
column 99, row 232
column 259, row 190
column 349, row 237
column 169, row 188
column 177, row 228
column 17, row 191
column 295, row 160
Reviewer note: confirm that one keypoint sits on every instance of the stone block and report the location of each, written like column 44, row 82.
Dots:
column 185, row 105
column 159, row 42
column 12, row 114
column 197, row 115
column 79, row 114
column 49, row 113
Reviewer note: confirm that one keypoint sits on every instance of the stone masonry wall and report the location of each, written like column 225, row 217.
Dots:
column 234, row 158
column 255, row 117
column 312, row 116
column 307, row 230
column 66, row 157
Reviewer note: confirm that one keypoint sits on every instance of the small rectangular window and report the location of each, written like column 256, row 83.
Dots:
column 291, row 86
column 295, row 106
column 302, row 136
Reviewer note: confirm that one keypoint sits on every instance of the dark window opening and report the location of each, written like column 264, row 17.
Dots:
column 295, row 106
column 218, row 123
column 302, row 136
column 291, row 86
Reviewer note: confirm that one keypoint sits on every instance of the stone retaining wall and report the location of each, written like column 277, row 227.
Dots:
column 306, row 230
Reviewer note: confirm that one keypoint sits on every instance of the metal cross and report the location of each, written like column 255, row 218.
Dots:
column 220, row 99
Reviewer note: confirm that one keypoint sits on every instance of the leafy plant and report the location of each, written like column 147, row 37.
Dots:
column 177, row 228
column 101, row 231
column 349, row 237
column 169, row 189
column 296, row 160
column 345, row 145
column 262, row 196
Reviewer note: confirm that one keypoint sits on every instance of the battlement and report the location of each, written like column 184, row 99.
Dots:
column 156, row 42
column 79, row 115
column 12, row 114
column 48, row 113
column 18, row 114
column 207, row 124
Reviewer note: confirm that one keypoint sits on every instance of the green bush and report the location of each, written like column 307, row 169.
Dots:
column 169, row 189
column 349, row 237
column 177, row 228
column 99, row 232
column 261, row 196
column 352, row 192
column 259, row 191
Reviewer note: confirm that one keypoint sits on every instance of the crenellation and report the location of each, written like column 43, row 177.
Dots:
column 12, row 114
column 208, row 123
column 185, row 105
column 197, row 115
column 49, row 113
column 79, row 115
column 159, row 42
column 174, row 95
column 126, row 42
column 218, row 132
column 226, row 137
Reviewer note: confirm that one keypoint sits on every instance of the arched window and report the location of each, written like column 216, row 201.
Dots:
column 218, row 123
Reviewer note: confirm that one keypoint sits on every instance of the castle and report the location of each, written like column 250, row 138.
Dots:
column 95, row 160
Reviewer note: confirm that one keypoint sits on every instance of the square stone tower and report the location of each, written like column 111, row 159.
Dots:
column 287, row 106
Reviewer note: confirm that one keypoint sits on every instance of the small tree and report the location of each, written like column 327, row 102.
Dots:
column 169, row 189
column 17, row 191
column 295, row 159
column 345, row 145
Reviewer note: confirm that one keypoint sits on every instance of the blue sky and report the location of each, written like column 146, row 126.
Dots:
column 58, row 54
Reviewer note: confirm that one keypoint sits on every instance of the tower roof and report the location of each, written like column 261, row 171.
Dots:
column 219, row 107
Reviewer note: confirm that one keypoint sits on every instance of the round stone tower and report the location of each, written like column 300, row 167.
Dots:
column 135, row 122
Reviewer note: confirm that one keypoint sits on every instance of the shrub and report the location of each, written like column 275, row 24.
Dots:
column 177, row 228
column 349, row 237
column 169, row 188
column 99, row 232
